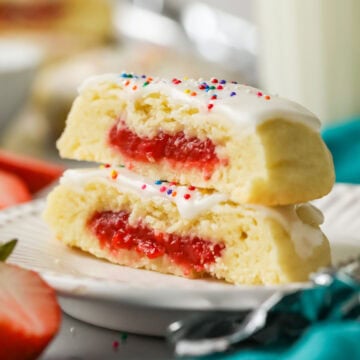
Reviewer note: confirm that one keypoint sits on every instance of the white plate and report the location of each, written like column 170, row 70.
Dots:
column 146, row 302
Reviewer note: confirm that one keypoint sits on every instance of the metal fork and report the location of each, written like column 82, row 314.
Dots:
column 219, row 332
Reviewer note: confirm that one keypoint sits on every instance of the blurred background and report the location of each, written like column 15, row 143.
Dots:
column 306, row 50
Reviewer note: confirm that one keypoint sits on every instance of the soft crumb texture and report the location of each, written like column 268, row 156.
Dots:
column 277, row 163
column 258, row 246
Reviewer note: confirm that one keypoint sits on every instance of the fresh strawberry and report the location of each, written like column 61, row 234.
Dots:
column 12, row 190
column 35, row 173
column 29, row 313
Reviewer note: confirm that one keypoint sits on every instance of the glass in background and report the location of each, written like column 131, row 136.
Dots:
column 309, row 51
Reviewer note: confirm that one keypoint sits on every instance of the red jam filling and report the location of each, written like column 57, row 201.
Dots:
column 177, row 149
column 114, row 232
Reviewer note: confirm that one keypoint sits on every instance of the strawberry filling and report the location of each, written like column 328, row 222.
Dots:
column 190, row 252
column 177, row 149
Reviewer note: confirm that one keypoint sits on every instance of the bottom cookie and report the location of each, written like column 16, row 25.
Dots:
column 119, row 216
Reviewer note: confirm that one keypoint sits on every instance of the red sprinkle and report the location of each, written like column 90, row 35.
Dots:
column 202, row 87
column 219, row 87
column 187, row 196
column 259, row 93
column 143, row 187
column 267, row 97
column 214, row 80
column 115, row 344
column 210, row 106
column 191, row 187
column 214, row 97
column 107, row 165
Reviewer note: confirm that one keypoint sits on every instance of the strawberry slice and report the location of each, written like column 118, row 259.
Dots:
column 37, row 174
column 29, row 313
column 12, row 190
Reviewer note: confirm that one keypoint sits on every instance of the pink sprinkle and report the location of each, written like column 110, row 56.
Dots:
column 143, row 187
column 259, row 94
column 162, row 189
column 187, row 196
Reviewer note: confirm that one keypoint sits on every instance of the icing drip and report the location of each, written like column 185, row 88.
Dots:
column 241, row 104
column 301, row 221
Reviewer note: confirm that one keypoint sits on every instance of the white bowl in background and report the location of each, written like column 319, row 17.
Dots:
column 19, row 61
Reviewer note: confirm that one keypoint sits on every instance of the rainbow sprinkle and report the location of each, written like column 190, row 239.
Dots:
column 227, row 88
column 114, row 174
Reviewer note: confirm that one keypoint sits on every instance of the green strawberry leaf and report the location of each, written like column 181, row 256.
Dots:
column 6, row 249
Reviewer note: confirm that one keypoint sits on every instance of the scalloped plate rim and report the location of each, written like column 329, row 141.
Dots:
column 83, row 286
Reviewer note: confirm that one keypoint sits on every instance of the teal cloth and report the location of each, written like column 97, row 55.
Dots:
column 329, row 341
column 331, row 337
column 343, row 140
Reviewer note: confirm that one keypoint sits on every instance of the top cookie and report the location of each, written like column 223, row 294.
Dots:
column 253, row 147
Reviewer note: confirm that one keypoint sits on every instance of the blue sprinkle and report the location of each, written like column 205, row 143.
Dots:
column 222, row 81
column 158, row 182
column 169, row 192
column 233, row 93
column 123, row 75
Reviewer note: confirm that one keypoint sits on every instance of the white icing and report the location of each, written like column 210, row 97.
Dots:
column 304, row 236
column 245, row 109
column 188, row 208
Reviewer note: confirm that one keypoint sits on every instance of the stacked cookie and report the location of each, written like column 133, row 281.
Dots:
column 199, row 178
